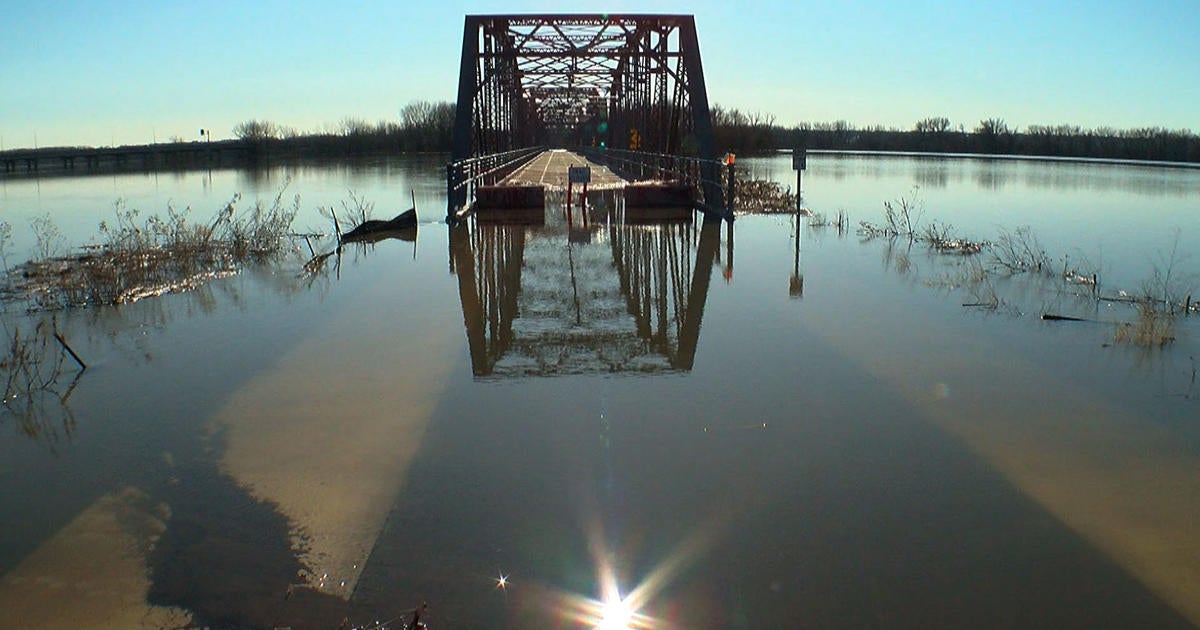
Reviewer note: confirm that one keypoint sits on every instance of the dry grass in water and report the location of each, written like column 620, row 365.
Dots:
column 841, row 221
column 760, row 196
column 1153, row 328
column 902, row 219
column 143, row 258
column 1166, row 294
column 1163, row 296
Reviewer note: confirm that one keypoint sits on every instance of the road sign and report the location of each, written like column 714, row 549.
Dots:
column 579, row 174
column 799, row 159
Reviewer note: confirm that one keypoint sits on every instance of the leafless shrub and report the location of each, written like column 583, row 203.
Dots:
column 1019, row 251
column 1163, row 296
column 902, row 217
column 47, row 237
column 358, row 208
column 5, row 236
column 1168, row 288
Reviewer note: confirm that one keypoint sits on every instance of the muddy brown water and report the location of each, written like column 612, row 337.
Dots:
column 642, row 423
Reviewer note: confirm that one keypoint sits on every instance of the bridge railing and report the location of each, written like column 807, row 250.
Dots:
column 464, row 176
column 711, row 179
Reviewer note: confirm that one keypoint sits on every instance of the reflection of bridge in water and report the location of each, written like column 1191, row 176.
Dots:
column 553, row 299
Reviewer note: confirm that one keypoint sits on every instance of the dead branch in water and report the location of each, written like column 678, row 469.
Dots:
column 1019, row 251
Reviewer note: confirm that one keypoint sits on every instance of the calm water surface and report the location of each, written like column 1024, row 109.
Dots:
column 650, row 426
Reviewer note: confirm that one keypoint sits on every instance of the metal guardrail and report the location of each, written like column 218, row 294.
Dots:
column 463, row 176
column 713, row 180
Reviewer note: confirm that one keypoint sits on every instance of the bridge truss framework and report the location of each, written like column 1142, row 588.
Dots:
column 621, row 81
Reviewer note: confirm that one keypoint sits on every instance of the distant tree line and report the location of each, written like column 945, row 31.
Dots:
column 422, row 126
column 756, row 133
column 735, row 131
column 429, row 126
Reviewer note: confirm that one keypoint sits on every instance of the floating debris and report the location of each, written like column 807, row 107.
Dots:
column 961, row 246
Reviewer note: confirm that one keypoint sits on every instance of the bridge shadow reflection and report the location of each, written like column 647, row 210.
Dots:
column 624, row 295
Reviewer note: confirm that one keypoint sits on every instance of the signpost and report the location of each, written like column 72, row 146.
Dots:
column 578, row 175
column 799, row 162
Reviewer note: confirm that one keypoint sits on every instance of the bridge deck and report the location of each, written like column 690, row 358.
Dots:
column 523, row 194
column 550, row 169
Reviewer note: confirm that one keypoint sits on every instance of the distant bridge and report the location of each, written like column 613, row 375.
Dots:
column 147, row 156
column 622, row 91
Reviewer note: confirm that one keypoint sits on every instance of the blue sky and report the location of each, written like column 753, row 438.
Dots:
column 96, row 73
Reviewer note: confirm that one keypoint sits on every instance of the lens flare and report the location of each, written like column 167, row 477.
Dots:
column 615, row 615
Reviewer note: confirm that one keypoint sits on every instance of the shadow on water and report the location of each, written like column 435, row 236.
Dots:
column 224, row 555
column 227, row 558
column 703, row 505
column 838, row 513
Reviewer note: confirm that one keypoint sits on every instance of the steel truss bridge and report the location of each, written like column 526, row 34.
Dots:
column 626, row 91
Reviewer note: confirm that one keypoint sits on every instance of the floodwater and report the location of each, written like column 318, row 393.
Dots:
column 643, row 425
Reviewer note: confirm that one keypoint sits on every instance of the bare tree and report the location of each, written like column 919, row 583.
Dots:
column 261, row 130
column 428, row 124
column 934, row 124
column 993, row 127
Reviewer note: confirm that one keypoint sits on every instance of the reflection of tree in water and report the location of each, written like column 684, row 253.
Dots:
column 991, row 175
column 540, row 301
column 932, row 173
column 37, row 381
